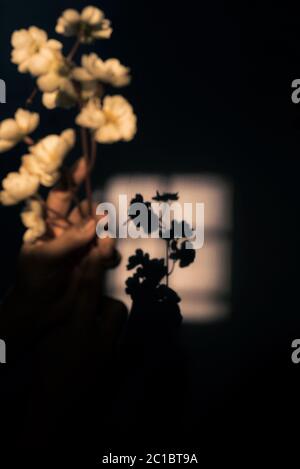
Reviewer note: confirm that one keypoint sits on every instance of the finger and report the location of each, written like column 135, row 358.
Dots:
column 105, row 250
column 60, row 197
column 56, row 226
column 79, row 213
column 95, row 263
column 71, row 240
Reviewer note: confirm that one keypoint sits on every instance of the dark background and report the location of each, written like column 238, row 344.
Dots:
column 212, row 91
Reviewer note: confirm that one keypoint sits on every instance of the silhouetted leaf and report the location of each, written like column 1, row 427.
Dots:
column 183, row 255
column 132, row 285
column 137, row 199
column 165, row 197
column 139, row 258
column 154, row 270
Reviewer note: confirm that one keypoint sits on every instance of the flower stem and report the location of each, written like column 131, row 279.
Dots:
column 74, row 49
column 167, row 262
column 78, row 204
column 73, row 189
column 28, row 140
column 88, row 185
column 172, row 269
column 31, row 97
column 93, row 153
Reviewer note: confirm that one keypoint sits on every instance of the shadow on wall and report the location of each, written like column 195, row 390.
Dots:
column 205, row 287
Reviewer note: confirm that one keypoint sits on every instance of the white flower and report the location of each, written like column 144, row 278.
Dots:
column 112, row 122
column 88, row 25
column 32, row 218
column 33, row 166
column 27, row 43
column 53, row 72
column 91, row 115
column 110, row 71
column 68, row 23
column 12, row 131
column 9, row 134
column 17, row 187
column 64, row 95
column 48, row 59
column 47, row 156
column 120, row 121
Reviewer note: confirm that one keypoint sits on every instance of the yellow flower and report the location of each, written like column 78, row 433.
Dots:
column 88, row 25
column 12, row 131
column 32, row 218
column 110, row 71
column 18, row 186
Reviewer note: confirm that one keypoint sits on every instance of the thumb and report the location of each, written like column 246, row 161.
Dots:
column 71, row 240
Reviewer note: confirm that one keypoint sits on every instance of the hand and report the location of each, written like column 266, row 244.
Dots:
column 70, row 252
column 61, row 275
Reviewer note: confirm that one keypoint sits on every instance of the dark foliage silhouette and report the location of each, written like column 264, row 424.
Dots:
column 145, row 283
column 165, row 197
